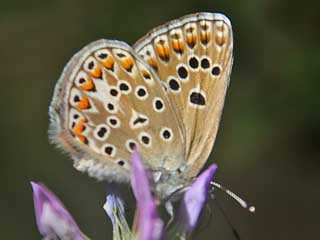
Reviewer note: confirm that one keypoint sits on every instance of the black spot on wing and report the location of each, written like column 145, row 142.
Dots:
column 139, row 120
column 197, row 98
column 174, row 84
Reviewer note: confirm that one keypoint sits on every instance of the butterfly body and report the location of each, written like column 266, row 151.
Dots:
column 164, row 95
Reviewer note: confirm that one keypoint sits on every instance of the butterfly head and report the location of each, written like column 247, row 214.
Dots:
column 169, row 183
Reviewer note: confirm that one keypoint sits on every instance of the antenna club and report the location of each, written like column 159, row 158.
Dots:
column 252, row 209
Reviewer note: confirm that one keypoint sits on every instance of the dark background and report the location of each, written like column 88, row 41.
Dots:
column 268, row 144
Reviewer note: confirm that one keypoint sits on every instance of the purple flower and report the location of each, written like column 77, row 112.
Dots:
column 194, row 199
column 115, row 210
column 150, row 225
column 53, row 220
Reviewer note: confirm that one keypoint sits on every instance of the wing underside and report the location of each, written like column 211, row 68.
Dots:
column 193, row 58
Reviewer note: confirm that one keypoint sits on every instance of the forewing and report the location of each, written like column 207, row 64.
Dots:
column 193, row 58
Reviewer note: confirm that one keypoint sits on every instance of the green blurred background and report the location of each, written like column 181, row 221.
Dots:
column 268, row 144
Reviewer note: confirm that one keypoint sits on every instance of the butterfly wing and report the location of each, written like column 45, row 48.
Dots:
column 193, row 58
column 107, row 101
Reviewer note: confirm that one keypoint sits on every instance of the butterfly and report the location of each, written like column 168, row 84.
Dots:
column 164, row 95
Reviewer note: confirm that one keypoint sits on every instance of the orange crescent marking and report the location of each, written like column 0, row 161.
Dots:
column 219, row 40
column 152, row 62
column 166, row 50
column 204, row 36
column 127, row 63
column 84, row 103
column 160, row 50
column 191, row 39
column 177, row 45
column 108, row 63
column 78, row 128
column 96, row 72
column 82, row 138
column 88, row 85
column 145, row 74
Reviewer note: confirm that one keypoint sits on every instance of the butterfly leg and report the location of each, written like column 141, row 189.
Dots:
column 169, row 208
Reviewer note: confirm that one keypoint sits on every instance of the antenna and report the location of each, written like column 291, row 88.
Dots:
column 234, row 231
column 239, row 200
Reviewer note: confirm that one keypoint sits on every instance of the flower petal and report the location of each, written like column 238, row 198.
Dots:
column 53, row 220
column 195, row 198
column 109, row 207
column 150, row 225
column 139, row 180
column 115, row 210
